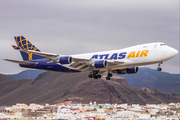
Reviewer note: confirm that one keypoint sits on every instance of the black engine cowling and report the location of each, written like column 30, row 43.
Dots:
column 131, row 70
column 65, row 60
column 100, row 64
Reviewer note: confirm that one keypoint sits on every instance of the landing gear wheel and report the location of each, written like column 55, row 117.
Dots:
column 109, row 75
column 159, row 66
column 94, row 74
column 107, row 78
column 95, row 77
column 99, row 76
column 90, row 76
column 159, row 69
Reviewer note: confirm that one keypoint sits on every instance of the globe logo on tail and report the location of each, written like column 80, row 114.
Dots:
column 24, row 44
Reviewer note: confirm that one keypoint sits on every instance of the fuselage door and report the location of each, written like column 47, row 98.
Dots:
column 155, row 46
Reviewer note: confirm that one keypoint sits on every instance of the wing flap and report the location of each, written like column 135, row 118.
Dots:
column 87, row 68
column 80, row 66
column 115, row 62
column 80, row 60
column 74, row 65
column 21, row 62
column 85, row 64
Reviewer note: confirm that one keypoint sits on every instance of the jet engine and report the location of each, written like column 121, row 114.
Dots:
column 65, row 60
column 100, row 64
column 131, row 70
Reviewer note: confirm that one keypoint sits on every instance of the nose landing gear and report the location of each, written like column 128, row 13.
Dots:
column 159, row 66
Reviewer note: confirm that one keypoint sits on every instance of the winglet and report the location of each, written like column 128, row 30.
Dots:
column 15, row 47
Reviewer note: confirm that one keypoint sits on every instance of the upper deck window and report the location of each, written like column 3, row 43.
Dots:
column 162, row 44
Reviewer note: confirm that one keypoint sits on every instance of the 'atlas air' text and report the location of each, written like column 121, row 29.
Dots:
column 115, row 56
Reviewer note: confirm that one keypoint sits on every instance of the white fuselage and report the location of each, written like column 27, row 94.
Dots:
column 139, row 55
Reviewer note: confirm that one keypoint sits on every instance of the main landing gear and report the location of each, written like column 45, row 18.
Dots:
column 159, row 66
column 94, row 74
column 109, row 76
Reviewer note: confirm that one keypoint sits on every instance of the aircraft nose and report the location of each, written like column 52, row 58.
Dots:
column 173, row 52
column 169, row 52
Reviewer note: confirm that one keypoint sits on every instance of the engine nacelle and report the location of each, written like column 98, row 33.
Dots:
column 100, row 64
column 131, row 70
column 65, row 60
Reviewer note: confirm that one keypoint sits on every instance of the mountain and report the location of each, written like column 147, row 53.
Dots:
column 54, row 87
column 8, row 84
column 147, row 77
column 150, row 78
column 26, row 74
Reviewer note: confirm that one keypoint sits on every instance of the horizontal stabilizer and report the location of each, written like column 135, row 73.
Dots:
column 44, row 54
column 21, row 62
column 15, row 47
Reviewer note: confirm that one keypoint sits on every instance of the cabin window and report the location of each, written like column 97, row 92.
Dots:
column 162, row 44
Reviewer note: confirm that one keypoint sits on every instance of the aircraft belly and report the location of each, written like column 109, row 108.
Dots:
column 50, row 67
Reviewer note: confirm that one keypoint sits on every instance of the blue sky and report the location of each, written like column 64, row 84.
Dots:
column 71, row 27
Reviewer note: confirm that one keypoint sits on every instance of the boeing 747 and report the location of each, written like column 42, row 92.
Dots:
column 121, row 61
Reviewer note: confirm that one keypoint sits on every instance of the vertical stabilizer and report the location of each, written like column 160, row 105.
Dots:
column 23, row 43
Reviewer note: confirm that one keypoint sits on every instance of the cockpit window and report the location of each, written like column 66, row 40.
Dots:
column 162, row 44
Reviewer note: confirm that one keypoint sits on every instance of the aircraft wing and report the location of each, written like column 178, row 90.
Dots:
column 81, row 64
column 115, row 62
column 49, row 55
column 21, row 62
column 40, row 53
column 85, row 64
column 79, row 60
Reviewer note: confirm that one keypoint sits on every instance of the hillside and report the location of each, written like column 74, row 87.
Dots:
column 8, row 84
column 53, row 87
column 26, row 74
column 147, row 77
column 150, row 78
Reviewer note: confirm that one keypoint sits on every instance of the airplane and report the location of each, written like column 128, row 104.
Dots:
column 121, row 61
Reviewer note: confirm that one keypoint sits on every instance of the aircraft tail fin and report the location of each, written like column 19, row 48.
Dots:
column 23, row 43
